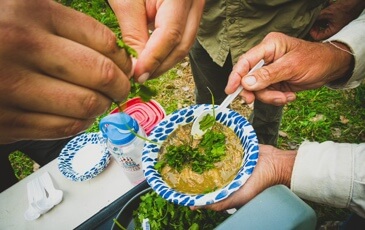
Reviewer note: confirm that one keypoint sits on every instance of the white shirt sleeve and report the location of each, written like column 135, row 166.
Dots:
column 332, row 174
column 353, row 35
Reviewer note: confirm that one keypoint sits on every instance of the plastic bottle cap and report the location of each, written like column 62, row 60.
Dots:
column 117, row 128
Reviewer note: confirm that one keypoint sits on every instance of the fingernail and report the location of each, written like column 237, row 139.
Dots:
column 134, row 62
column 143, row 77
column 278, row 101
column 290, row 98
column 250, row 80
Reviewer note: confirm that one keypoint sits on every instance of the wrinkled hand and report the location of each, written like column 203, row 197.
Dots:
column 174, row 25
column 274, row 166
column 59, row 70
column 334, row 17
column 291, row 65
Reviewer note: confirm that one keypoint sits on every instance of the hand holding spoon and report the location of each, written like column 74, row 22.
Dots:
column 196, row 131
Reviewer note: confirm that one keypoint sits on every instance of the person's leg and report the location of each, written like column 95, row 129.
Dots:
column 41, row 152
column 265, row 118
column 208, row 74
column 354, row 222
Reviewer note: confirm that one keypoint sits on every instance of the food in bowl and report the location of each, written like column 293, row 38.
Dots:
column 199, row 166
column 229, row 118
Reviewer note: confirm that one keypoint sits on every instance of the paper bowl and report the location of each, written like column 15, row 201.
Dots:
column 233, row 120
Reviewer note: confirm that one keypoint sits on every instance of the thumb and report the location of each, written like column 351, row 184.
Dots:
column 260, row 79
column 257, row 80
column 133, row 22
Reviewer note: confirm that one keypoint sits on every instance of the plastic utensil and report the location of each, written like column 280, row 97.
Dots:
column 54, row 195
column 42, row 202
column 31, row 213
column 196, row 132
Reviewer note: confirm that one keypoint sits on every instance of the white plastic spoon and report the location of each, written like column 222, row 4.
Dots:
column 31, row 213
column 55, row 195
column 42, row 202
column 196, row 132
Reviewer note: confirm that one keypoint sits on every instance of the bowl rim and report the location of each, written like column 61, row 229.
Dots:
column 188, row 114
column 72, row 148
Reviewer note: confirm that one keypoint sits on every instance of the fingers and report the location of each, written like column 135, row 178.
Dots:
column 170, row 25
column 133, row 21
column 188, row 37
column 320, row 25
column 20, row 125
column 323, row 27
column 89, row 32
column 262, row 177
column 277, row 68
column 245, row 63
column 268, row 83
column 80, row 65
column 275, row 97
column 41, row 94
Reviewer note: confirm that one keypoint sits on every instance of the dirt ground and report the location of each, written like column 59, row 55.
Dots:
column 183, row 91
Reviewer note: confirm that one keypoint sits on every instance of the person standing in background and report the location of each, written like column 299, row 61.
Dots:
column 216, row 33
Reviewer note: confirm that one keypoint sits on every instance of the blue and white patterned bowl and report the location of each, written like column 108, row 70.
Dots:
column 84, row 157
column 233, row 120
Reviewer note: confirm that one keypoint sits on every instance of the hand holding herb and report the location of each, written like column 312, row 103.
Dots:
column 63, row 86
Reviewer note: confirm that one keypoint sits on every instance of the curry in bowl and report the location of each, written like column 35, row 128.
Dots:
column 200, row 166
column 188, row 177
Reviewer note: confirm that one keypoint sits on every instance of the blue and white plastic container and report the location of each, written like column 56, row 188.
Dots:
column 124, row 145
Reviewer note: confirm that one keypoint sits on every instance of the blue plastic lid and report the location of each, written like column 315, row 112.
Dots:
column 117, row 128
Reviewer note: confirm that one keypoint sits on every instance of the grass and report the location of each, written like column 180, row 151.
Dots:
column 321, row 115
column 317, row 115
column 325, row 114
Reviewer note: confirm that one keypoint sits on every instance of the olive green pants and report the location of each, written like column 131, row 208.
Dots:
column 265, row 118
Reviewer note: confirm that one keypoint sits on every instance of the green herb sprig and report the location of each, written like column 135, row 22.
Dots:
column 208, row 120
column 132, row 52
column 132, row 131
column 143, row 91
column 137, row 90
column 210, row 150
column 163, row 214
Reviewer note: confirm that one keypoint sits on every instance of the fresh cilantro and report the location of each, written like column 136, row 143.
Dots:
column 163, row 214
column 210, row 150
column 127, row 48
column 207, row 122
column 137, row 90
column 140, row 90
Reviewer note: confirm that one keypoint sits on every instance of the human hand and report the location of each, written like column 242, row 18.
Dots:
column 334, row 17
column 174, row 25
column 291, row 65
column 59, row 70
column 274, row 166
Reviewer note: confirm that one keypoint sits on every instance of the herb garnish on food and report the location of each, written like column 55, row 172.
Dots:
column 210, row 150
column 208, row 120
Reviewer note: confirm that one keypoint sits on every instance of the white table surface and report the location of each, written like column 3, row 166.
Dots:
column 81, row 200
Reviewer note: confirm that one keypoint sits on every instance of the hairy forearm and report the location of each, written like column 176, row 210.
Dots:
column 343, row 62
